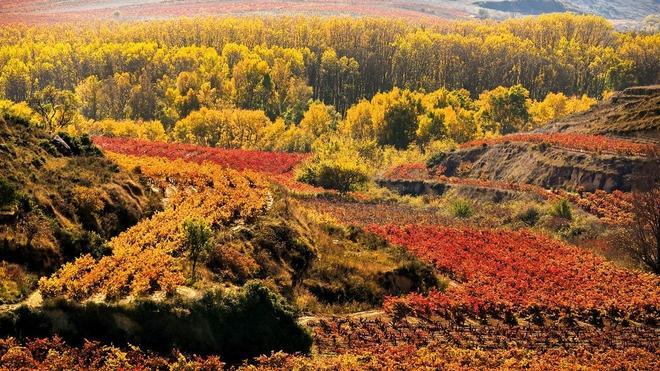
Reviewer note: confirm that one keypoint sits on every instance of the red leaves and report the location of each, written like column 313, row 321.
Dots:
column 518, row 271
column 615, row 207
column 581, row 142
column 265, row 162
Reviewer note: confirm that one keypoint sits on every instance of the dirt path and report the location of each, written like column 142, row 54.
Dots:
column 369, row 314
column 34, row 300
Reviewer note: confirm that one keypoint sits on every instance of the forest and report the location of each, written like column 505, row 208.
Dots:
column 180, row 72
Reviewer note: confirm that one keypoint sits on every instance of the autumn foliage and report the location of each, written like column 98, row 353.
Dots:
column 55, row 354
column 148, row 257
column 266, row 162
column 580, row 142
column 521, row 272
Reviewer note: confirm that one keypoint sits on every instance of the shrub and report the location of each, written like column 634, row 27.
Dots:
column 343, row 175
column 562, row 209
column 7, row 193
column 337, row 164
column 530, row 216
column 235, row 325
column 80, row 145
column 413, row 276
column 461, row 208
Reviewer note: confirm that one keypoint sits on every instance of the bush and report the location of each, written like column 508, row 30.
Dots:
column 243, row 324
column 7, row 193
column 80, row 145
column 342, row 175
column 337, row 164
column 530, row 216
column 461, row 208
column 413, row 276
column 562, row 209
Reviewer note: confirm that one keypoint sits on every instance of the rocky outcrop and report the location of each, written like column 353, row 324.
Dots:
column 545, row 166
column 435, row 188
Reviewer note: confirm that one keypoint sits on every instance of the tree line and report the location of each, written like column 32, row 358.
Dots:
column 166, row 69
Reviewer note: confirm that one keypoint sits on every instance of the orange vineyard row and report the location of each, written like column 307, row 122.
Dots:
column 147, row 257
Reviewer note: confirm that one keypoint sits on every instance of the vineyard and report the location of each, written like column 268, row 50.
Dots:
column 41, row 12
column 265, row 162
column 513, row 293
column 148, row 257
column 329, row 185
column 520, row 273
column 612, row 208
column 579, row 142
column 515, row 298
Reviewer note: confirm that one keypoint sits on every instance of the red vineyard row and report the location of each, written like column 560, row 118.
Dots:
column 238, row 159
column 580, row 142
column 521, row 272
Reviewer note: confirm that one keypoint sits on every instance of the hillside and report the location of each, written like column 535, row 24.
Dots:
column 633, row 112
column 60, row 198
column 585, row 152
column 303, row 192
column 57, row 11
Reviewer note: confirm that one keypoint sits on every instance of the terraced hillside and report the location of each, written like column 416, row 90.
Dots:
column 607, row 148
column 634, row 112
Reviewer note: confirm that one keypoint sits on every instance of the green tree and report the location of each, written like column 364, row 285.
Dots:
column 399, row 126
column 89, row 95
column 505, row 110
column 56, row 108
column 198, row 236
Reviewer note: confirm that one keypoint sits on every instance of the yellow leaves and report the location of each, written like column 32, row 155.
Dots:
column 556, row 106
column 151, row 130
column 227, row 128
column 359, row 123
column 146, row 258
column 319, row 119
column 90, row 200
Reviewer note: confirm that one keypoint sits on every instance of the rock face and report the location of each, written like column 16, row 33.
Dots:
column 545, row 166
column 424, row 187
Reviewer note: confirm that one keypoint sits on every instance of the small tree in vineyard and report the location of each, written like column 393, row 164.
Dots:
column 642, row 238
column 198, row 237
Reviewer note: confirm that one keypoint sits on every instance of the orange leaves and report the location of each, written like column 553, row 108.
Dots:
column 147, row 257
column 615, row 207
column 54, row 354
column 520, row 271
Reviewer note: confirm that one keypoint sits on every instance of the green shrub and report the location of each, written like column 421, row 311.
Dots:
column 246, row 323
column 530, row 216
column 562, row 209
column 342, row 175
column 7, row 193
column 417, row 277
column 461, row 208
column 80, row 145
